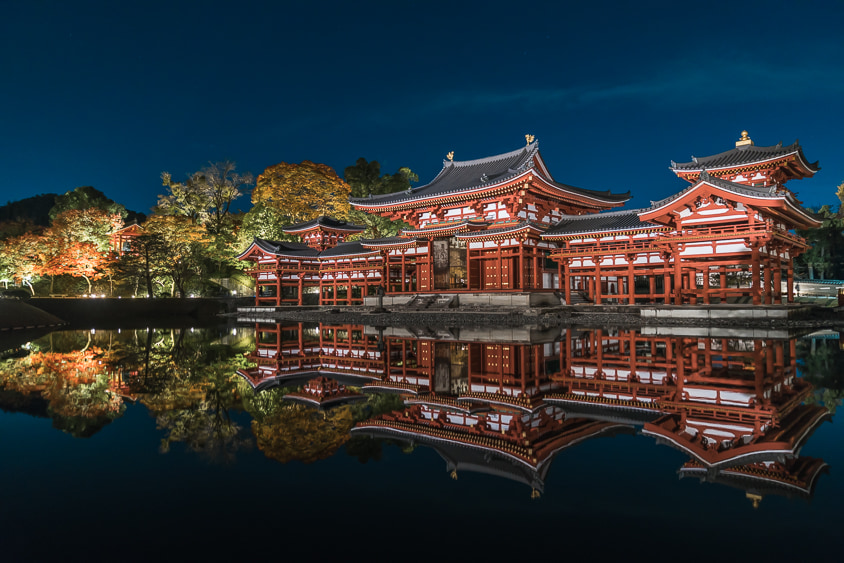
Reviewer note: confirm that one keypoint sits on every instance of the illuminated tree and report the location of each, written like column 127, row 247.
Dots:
column 147, row 262
column 206, row 196
column 78, row 259
column 303, row 191
column 24, row 258
column 184, row 246
column 90, row 225
column 83, row 198
column 262, row 221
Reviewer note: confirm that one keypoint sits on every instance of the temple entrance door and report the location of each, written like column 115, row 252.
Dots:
column 449, row 264
column 451, row 368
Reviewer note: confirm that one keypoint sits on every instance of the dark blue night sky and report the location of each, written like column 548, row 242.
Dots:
column 111, row 94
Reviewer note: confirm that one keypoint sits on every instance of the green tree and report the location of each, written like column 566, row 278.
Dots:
column 86, row 197
column 365, row 179
column 262, row 221
column 146, row 263
column 206, row 196
column 184, row 244
column 825, row 257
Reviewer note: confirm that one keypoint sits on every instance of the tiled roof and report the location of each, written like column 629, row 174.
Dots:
column 624, row 220
column 739, row 189
column 741, row 156
column 323, row 221
column 469, row 175
column 285, row 247
column 502, row 230
column 346, row 249
column 388, row 241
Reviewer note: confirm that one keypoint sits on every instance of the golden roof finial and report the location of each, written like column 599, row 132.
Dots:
column 745, row 140
column 756, row 499
column 450, row 155
column 529, row 138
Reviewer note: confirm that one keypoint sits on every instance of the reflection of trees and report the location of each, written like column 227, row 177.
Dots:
column 302, row 433
column 190, row 385
column 822, row 360
column 287, row 431
column 202, row 420
column 75, row 385
column 185, row 379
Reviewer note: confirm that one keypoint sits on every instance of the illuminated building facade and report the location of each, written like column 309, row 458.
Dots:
column 502, row 224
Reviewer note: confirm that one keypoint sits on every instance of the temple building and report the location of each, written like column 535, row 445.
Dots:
column 503, row 226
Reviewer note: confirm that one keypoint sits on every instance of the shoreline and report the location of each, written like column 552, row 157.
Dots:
column 797, row 317
column 104, row 313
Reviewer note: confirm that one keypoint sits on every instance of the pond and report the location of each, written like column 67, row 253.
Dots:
column 410, row 443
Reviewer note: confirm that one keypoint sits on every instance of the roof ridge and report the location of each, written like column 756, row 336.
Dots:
column 760, row 150
column 528, row 149
column 603, row 214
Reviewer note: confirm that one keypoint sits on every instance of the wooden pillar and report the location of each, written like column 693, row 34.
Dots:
column 756, row 282
column 778, row 279
column 652, row 287
column 789, row 278
column 522, row 265
column 631, row 298
column 678, row 277
column 499, row 262
column 278, row 288
column 565, row 271
column 768, row 293
column 693, row 285
column 597, row 261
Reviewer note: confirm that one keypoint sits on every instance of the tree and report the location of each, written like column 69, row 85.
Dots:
column 302, row 191
column 24, row 258
column 364, row 180
column 262, row 221
column 86, row 197
column 147, row 262
column 92, row 225
column 78, row 259
column 206, row 196
column 183, row 248
column 825, row 256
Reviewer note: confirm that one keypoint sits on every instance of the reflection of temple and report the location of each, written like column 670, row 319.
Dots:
column 480, row 404
column 297, row 352
column 512, row 399
column 324, row 392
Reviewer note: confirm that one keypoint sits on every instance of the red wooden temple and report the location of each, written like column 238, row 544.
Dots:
column 503, row 224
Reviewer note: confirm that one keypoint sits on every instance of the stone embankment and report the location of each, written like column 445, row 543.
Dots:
column 581, row 315
column 18, row 315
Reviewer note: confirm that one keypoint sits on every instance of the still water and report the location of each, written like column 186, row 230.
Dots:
column 364, row 442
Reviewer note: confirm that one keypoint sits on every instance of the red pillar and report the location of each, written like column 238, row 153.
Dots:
column 756, row 282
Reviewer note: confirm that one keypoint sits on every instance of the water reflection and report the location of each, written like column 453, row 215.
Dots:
column 508, row 402
column 505, row 402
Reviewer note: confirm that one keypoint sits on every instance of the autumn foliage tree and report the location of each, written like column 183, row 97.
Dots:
column 303, row 191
